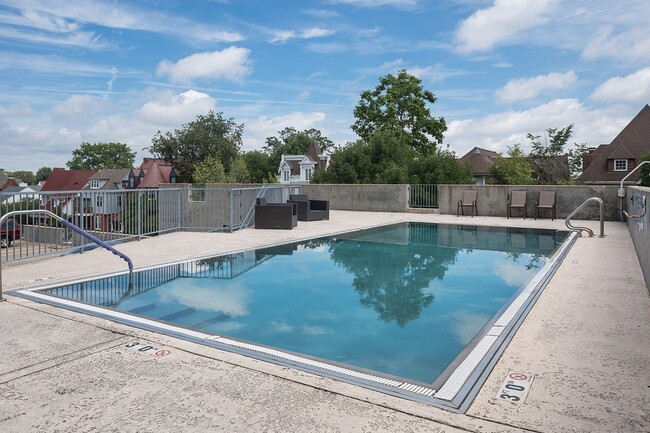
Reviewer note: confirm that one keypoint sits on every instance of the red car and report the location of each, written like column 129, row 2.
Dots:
column 10, row 231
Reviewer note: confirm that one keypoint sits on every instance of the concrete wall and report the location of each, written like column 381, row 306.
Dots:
column 380, row 198
column 492, row 200
column 640, row 227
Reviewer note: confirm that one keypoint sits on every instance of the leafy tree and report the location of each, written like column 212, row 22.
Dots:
column 239, row 172
column 645, row 170
column 24, row 175
column 259, row 167
column 96, row 156
column 557, row 139
column 292, row 142
column 210, row 170
column 348, row 164
column 551, row 168
column 515, row 169
column 576, row 158
column 43, row 173
column 208, row 135
column 399, row 105
column 440, row 167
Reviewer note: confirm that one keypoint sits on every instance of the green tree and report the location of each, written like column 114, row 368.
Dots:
column 576, row 158
column 399, row 104
column 210, row 170
column 24, row 175
column 43, row 173
column 239, row 172
column 515, row 169
column 551, row 167
column 259, row 167
column 645, row 170
column 96, row 156
column 440, row 167
column 208, row 135
column 557, row 139
column 292, row 142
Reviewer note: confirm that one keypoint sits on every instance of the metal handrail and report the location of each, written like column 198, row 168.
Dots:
column 643, row 210
column 567, row 221
column 75, row 229
column 621, row 190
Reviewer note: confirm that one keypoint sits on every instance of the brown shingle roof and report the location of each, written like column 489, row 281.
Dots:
column 67, row 180
column 630, row 143
column 480, row 160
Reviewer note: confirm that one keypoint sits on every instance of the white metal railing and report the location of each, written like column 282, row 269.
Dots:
column 72, row 227
column 423, row 196
column 567, row 221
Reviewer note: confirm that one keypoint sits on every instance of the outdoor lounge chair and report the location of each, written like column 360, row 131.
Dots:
column 517, row 201
column 310, row 210
column 469, row 199
column 275, row 215
column 546, row 201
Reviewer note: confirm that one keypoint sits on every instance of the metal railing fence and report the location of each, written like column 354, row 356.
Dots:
column 118, row 215
column 423, row 196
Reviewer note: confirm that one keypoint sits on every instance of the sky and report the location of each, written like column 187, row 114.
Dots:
column 74, row 71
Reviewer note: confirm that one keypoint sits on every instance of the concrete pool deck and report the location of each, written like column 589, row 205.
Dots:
column 586, row 341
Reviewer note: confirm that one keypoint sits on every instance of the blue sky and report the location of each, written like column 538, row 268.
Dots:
column 119, row 71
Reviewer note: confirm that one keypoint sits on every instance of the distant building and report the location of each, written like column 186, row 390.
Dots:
column 481, row 160
column 151, row 173
column 107, row 207
column 610, row 163
column 301, row 168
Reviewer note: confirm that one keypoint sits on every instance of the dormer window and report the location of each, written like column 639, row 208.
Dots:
column 620, row 165
column 94, row 184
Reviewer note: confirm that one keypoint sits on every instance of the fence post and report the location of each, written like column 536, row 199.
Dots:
column 139, row 219
column 231, row 194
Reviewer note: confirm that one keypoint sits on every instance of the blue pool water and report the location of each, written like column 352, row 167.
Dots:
column 402, row 300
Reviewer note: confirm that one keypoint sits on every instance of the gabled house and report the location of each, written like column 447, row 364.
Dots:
column 15, row 194
column 101, row 194
column 301, row 168
column 610, row 163
column 481, row 160
column 61, row 190
column 151, row 173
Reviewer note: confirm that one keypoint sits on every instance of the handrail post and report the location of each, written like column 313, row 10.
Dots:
column 75, row 229
column 567, row 221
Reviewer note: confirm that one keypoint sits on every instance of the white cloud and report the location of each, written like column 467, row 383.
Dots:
column 77, row 107
column 434, row 73
column 174, row 109
column 230, row 63
column 499, row 23
column 282, row 36
column 377, row 3
column 257, row 130
column 528, row 88
column 631, row 88
column 498, row 131
column 633, row 44
column 16, row 109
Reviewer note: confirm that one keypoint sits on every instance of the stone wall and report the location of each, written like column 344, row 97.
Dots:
column 379, row 198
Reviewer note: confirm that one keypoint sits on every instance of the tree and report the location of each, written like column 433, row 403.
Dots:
column 576, row 158
column 515, row 169
column 645, row 170
column 259, row 167
column 557, row 139
column 24, row 175
column 292, row 142
column 96, row 156
column 399, row 105
column 440, row 167
column 43, row 173
column 210, row 170
column 207, row 136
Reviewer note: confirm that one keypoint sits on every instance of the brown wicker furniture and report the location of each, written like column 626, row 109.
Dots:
column 275, row 215
column 310, row 210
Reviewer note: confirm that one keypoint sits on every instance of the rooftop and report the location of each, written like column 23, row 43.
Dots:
column 585, row 341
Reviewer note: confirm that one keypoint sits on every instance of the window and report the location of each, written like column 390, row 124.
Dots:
column 94, row 184
column 131, row 180
column 285, row 175
column 119, row 201
column 308, row 173
column 620, row 165
column 99, row 200
column 98, row 223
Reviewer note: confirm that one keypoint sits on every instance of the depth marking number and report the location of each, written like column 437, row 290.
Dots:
column 150, row 350
column 515, row 387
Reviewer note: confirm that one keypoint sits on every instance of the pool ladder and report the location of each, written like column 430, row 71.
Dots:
column 75, row 229
column 567, row 221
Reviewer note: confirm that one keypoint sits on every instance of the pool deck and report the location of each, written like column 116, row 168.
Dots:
column 586, row 341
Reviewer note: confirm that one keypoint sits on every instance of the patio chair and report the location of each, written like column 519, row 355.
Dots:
column 310, row 210
column 275, row 215
column 517, row 201
column 546, row 201
column 469, row 199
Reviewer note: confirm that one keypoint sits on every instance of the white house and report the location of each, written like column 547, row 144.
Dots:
column 301, row 168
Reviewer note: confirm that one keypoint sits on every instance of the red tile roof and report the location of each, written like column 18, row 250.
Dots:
column 67, row 180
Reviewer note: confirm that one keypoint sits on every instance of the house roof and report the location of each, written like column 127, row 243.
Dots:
column 314, row 154
column 480, row 160
column 156, row 171
column 67, row 180
column 112, row 176
column 3, row 179
column 630, row 143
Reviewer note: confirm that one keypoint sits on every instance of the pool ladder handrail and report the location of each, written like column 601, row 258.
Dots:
column 567, row 221
column 75, row 229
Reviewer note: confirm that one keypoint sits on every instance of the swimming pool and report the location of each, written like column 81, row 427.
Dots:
column 401, row 309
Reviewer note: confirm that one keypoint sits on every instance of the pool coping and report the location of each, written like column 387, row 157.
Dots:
column 457, row 392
